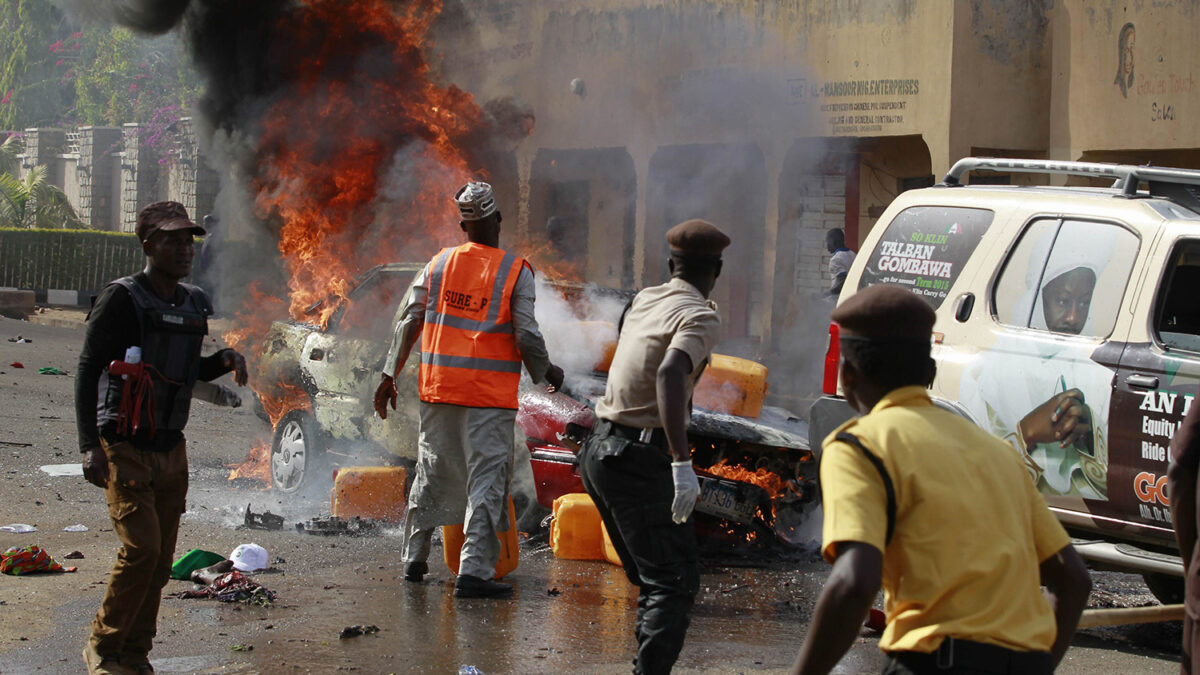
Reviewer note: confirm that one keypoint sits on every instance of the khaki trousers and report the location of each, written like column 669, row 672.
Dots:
column 146, row 494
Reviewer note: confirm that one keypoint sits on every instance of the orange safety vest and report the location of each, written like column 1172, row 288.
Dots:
column 469, row 352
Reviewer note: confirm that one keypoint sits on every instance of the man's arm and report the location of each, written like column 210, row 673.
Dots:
column 112, row 325
column 409, row 321
column 529, row 337
column 838, row 618
column 1181, row 483
column 672, row 376
column 1067, row 580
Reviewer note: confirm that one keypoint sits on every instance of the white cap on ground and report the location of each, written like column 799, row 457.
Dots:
column 475, row 201
column 249, row 558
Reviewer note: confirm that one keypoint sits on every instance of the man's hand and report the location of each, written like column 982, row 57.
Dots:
column 554, row 377
column 687, row 489
column 237, row 363
column 385, row 393
column 1064, row 419
column 95, row 467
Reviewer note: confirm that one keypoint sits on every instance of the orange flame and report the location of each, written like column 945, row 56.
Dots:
column 773, row 483
column 256, row 466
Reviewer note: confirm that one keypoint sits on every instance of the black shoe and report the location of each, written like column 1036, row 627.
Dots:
column 468, row 586
column 415, row 571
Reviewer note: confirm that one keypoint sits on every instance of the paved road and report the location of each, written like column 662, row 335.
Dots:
column 567, row 616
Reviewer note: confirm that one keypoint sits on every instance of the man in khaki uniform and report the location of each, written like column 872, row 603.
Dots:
column 637, row 465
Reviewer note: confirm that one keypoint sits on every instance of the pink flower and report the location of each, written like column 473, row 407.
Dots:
column 60, row 62
column 76, row 35
column 56, row 46
column 133, row 87
column 7, row 98
column 75, row 47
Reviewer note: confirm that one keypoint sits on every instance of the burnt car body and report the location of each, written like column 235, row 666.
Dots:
column 317, row 387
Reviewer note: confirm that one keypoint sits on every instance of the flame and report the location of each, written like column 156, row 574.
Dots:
column 773, row 483
column 256, row 466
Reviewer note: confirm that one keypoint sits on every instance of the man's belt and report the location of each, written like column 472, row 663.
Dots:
column 954, row 654
column 655, row 437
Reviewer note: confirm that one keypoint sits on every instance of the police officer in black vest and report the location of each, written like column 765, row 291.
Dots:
column 131, row 428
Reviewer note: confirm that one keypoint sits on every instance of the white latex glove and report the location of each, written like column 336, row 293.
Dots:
column 687, row 489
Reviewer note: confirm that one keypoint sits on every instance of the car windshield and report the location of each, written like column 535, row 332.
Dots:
column 370, row 307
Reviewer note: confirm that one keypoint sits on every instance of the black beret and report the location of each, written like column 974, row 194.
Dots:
column 164, row 217
column 885, row 312
column 697, row 237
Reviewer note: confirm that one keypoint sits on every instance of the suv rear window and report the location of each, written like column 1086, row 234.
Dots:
column 925, row 248
column 1066, row 276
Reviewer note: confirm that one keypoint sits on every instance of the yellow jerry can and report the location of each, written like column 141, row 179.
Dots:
column 575, row 531
column 610, row 551
column 732, row 385
column 453, row 538
column 369, row 492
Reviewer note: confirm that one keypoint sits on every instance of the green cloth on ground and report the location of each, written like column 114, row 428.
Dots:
column 50, row 370
column 193, row 560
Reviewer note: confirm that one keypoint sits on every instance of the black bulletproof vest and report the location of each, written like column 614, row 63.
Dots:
column 171, row 340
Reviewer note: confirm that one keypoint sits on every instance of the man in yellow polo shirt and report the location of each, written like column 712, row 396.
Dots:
column 938, row 512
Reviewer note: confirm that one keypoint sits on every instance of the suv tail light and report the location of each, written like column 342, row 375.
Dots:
column 833, row 354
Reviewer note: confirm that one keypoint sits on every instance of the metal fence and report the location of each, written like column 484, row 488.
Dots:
column 81, row 260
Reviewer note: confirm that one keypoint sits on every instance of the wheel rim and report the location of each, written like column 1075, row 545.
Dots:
column 288, row 457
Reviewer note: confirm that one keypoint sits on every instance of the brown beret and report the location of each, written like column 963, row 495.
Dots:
column 697, row 237
column 164, row 217
column 885, row 312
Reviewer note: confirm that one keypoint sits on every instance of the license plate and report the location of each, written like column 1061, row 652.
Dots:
column 728, row 499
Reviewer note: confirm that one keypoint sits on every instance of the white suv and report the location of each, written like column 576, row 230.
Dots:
column 1084, row 301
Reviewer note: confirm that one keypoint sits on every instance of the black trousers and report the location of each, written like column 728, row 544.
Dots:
column 633, row 491
column 963, row 657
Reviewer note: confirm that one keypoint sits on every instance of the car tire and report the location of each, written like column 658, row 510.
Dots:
column 297, row 452
column 1167, row 588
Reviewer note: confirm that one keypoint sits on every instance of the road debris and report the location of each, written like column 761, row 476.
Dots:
column 262, row 521
column 335, row 525
column 356, row 630
column 20, row 340
column 62, row 469
column 51, row 370
column 76, row 528
column 19, row 560
column 18, row 528
column 233, row 587
column 16, row 364
column 74, row 555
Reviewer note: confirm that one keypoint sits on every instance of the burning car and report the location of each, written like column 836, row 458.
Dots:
column 316, row 384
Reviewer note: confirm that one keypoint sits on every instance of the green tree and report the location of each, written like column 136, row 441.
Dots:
column 121, row 77
column 33, row 91
column 31, row 202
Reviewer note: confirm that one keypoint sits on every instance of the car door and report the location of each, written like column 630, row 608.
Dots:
column 1156, row 385
column 1045, row 382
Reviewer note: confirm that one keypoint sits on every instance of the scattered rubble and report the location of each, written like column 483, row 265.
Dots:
column 356, row 630
column 334, row 525
column 262, row 521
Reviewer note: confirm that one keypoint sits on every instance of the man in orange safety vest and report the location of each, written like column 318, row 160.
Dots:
column 472, row 307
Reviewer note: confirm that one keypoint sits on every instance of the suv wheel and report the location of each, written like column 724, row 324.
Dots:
column 1168, row 589
column 296, row 451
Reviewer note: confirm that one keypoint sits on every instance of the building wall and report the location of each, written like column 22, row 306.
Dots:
column 1099, row 105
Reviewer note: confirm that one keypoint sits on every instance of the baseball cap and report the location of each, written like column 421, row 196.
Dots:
column 249, row 558
column 164, row 217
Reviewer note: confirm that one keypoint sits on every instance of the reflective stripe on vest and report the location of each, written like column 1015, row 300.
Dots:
column 469, row 352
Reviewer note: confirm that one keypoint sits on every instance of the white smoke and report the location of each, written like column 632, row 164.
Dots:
column 578, row 322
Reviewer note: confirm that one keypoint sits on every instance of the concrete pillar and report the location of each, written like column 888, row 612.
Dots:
column 773, row 159
column 525, row 156
column 139, row 173
column 641, row 169
column 95, row 176
column 42, row 148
